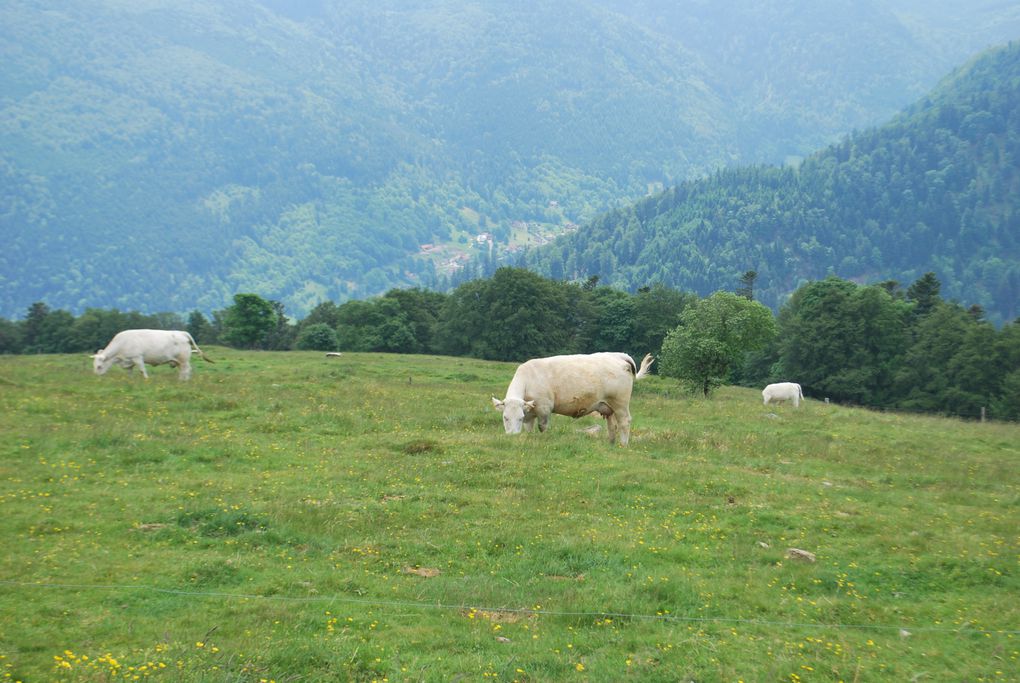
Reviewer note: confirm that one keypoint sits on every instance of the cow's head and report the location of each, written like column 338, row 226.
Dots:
column 100, row 363
column 514, row 411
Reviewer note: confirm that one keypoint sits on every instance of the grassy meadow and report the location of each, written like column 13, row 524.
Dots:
column 288, row 517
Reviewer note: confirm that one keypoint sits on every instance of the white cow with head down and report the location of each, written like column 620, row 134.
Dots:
column 573, row 385
column 783, row 391
column 135, row 348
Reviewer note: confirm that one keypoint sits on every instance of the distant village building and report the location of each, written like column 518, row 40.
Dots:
column 458, row 260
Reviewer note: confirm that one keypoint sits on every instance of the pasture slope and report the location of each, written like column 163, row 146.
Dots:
column 288, row 517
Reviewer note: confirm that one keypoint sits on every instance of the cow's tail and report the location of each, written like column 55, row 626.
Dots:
column 801, row 392
column 197, row 350
column 645, row 365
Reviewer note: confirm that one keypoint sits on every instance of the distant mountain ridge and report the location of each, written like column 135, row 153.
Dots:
column 937, row 189
column 166, row 154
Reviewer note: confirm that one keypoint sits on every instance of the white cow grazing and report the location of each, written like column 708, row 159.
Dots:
column 135, row 348
column 573, row 385
column 783, row 391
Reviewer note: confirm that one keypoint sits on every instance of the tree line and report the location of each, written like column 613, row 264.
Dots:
column 881, row 345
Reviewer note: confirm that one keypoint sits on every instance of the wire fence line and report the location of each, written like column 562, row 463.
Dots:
column 380, row 603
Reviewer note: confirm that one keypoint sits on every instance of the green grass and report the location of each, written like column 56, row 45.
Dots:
column 286, row 517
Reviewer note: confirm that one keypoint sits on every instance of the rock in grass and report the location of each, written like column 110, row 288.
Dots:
column 798, row 554
column 426, row 572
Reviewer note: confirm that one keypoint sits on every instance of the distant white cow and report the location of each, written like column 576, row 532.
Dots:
column 575, row 386
column 135, row 348
column 783, row 391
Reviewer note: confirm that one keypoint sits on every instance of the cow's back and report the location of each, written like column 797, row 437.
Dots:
column 782, row 391
column 155, row 346
column 136, row 341
column 573, row 383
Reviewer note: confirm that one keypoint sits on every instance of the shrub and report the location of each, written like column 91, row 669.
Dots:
column 317, row 337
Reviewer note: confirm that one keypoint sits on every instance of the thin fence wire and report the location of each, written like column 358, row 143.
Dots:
column 405, row 604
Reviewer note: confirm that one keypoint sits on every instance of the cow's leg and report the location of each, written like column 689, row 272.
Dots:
column 611, row 427
column 543, row 409
column 796, row 401
column 529, row 423
column 623, row 424
column 140, row 363
column 543, row 421
column 185, row 371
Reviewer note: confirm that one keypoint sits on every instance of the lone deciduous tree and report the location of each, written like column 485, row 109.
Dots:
column 247, row 322
column 712, row 338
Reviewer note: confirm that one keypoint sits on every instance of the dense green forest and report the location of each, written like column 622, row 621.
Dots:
column 936, row 189
column 875, row 345
column 167, row 154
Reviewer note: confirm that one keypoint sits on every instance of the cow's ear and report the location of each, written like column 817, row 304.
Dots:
column 497, row 403
column 529, row 406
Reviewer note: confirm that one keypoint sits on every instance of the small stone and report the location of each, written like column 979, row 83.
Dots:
column 798, row 554
column 426, row 572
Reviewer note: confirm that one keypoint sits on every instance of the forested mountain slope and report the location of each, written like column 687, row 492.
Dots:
column 166, row 154
column 937, row 189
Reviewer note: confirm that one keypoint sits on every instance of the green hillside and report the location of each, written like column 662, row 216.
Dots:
column 165, row 155
column 174, row 153
column 285, row 516
column 937, row 189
